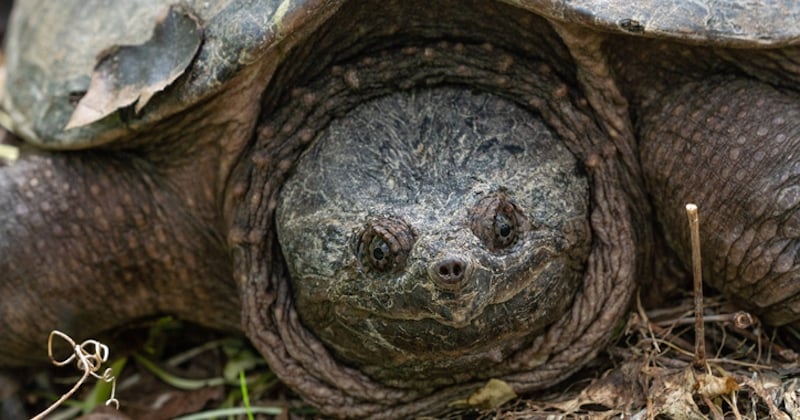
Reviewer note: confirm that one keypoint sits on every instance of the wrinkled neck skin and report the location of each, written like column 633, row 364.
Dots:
column 368, row 51
column 634, row 112
column 92, row 240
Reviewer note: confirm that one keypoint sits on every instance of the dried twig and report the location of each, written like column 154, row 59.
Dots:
column 646, row 322
column 739, row 319
column 700, row 341
column 88, row 362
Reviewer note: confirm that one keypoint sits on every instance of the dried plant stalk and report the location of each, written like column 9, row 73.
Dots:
column 697, row 271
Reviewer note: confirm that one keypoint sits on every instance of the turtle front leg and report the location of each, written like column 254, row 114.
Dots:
column 732, row 148
column 91, row 240
column 731, row 144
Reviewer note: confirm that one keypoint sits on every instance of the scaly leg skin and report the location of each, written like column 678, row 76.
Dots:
column 92, row 240
column 734, row 157
column 723, row 133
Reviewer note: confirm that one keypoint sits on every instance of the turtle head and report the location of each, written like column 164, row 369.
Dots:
column 432, row 231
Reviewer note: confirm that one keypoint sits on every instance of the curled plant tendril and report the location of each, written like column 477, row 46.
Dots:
column 89, row 356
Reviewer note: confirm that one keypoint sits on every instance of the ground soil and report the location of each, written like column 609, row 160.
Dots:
column 648, row 372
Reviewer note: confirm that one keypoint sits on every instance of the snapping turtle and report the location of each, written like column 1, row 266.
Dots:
column 394, row 200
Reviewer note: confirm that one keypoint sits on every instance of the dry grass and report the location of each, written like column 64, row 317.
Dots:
column 750, row 372
column 694, row 359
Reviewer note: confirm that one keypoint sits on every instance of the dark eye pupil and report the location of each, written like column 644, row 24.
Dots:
column 505, row 230
column 502, row 225
column 380, row 251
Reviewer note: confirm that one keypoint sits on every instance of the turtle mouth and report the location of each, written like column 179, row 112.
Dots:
column 465, row 331
column 486, row 301
column 452, row 309
column 488, row 296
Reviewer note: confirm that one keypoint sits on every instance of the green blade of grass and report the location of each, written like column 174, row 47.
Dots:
column 102, row 389
column 245, row 395
column 175, row 381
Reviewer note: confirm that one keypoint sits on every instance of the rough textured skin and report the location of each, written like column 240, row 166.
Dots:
column 419, row 55
column 165, row 258
column 174, row 209
column 428, row 232
column 725, row 137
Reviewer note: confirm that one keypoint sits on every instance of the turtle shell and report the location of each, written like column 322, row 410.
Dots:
column 75, row 74
column 733, row 23
column 82, row 73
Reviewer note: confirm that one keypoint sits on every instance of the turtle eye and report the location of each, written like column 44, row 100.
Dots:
column 497, row 221
column 505, row 231
column 385, row 244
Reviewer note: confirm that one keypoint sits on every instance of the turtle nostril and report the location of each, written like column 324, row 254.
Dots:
column 457, row 270
column 449, row 272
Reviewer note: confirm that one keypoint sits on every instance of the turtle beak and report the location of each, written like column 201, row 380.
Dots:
column 462, row 289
